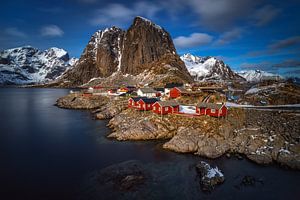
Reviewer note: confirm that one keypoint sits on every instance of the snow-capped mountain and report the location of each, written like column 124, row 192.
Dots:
column 208, row 68
column 28, row 65
column 258, row 75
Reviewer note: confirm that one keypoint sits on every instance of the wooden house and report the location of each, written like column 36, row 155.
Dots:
column 165, row 107
column 97, row 87
column 146, row 103
column 178, row 91
column 169, row 86
column 133, row 102
column 212, row 109
column 146, row 92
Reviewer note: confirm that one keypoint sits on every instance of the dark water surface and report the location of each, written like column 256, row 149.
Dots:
column 47, row 153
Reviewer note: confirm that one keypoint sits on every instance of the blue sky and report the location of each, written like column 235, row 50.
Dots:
column 246, row 34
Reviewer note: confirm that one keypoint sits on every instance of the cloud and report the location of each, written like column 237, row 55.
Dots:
column 118, row 14
column 216, row 15
column 285, row 43
column 229, row 36
column 193, row 40
column 14, row 32
column 289, row 63
column 278, row 47
column 265, row 15
column 51, row 31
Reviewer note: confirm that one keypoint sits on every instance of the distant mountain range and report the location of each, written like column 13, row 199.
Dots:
column 28, row 65
column 213, row 69
column 258, row 75
column 208, row 68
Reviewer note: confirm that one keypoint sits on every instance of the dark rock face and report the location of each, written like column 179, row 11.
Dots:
column 99, row 58
column 143, row 46
column 144, row 43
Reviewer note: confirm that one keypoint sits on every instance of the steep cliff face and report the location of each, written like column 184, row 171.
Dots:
column 100, row 58
column 145, row 46
column 144, row 43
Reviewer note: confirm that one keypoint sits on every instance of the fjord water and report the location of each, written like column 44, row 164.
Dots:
column 48, row 153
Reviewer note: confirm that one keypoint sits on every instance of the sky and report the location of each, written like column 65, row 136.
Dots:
column 246, row 34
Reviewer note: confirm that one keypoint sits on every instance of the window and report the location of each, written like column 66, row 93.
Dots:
column 213, row 111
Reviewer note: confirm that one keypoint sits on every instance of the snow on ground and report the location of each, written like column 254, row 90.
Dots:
column 187, row 109
column 253, row 91
column 213, row 172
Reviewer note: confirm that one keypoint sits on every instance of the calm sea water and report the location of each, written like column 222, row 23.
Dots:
column 48, row 153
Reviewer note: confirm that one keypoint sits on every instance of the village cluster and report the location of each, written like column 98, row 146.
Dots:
column 163, row 100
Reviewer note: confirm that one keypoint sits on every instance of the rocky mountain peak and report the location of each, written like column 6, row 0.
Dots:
column 144, row 46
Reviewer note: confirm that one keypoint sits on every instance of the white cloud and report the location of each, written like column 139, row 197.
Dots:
column 193, row 40
column 14, row 32
column 229, row 36
column 51, row 31
column 118, row 14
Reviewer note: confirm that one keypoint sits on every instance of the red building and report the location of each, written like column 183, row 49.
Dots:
column 177, row 92
column 146, row 103
column 133, row 102
column 165, row 107
column 97, row 87
column 87, row 94
column 211, row 109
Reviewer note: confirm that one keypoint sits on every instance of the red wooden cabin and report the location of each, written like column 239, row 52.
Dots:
column 165, row 107
column 177, row 92
column 97, row 87
column 133, row 102
column 145, row 104
column 211, row 109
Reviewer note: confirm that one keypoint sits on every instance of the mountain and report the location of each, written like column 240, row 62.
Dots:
column 208, row 68
column 145, row 48
column 28, row 65
column 258, row 75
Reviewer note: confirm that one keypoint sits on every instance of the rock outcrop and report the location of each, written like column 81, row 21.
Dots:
column 145, row 46
column 209, row 176
column 262, row 136
column 78, row 101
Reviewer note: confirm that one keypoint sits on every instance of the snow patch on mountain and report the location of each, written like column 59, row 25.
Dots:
column 28, row 65
column 208, row 68
column 258, row 75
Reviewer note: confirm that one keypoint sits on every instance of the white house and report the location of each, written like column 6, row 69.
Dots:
column 146, row 92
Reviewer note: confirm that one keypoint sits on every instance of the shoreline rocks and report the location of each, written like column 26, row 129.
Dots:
column 264, row 137
column 78, row 101
column 209, row 176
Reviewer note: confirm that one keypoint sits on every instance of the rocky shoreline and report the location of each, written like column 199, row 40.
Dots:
column 264, row 137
